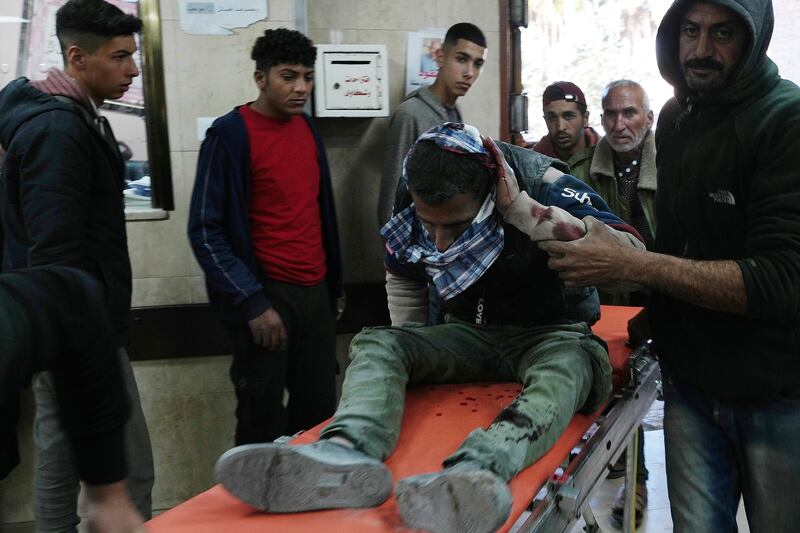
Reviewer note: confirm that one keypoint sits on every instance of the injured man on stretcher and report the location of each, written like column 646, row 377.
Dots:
column 469, row 214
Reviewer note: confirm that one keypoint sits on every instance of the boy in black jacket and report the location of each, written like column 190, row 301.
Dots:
column 62, row 204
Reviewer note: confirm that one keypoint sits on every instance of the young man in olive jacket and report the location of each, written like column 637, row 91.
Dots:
column 725, row 274
column 62, row 204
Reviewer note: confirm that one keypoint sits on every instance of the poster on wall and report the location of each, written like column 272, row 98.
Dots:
column 421, row 50
column 218, row 17
column 43, row 51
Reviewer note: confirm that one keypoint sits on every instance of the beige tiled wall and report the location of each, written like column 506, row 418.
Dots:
column 209, row 75
column 189, row 405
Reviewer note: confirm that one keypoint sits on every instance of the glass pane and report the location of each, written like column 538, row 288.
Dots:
column 592, row 43
column 29, row 47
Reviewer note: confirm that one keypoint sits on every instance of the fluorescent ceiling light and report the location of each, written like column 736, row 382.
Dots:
column 12, row 19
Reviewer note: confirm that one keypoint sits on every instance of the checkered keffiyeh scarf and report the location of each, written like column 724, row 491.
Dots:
column 470, row 256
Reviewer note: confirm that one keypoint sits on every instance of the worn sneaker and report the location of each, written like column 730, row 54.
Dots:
column 454, row 500
column 279, row 478
column 617, row 470
column 617, row 515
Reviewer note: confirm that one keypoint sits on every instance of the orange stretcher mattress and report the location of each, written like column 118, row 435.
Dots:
column 436, row 420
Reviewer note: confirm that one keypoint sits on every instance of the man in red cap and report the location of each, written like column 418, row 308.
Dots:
column 569, row 137
column 621, row 168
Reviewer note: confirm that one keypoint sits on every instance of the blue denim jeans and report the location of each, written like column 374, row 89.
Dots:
column 717, row 451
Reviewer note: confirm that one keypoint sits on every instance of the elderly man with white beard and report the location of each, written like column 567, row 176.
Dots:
column 623, row 172
column 623, row 169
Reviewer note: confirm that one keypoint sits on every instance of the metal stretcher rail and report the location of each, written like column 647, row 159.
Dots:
column 565, row 498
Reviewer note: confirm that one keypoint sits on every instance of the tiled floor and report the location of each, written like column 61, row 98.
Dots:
column 657, row 517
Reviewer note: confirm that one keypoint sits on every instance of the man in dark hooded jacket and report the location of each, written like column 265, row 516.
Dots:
column 725, row 309
column 61, row 204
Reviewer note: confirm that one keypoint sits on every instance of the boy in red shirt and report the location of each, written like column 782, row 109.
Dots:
column 263, row 227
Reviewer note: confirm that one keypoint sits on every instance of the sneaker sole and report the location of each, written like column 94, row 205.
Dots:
column 456, row 503
column 278, row 479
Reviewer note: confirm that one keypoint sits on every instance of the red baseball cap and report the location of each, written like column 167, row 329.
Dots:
column 563, row 90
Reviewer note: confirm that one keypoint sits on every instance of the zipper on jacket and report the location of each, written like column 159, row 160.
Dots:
column 682, row 169
column 686, row 112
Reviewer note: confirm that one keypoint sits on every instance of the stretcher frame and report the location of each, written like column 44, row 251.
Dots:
column 565, row 498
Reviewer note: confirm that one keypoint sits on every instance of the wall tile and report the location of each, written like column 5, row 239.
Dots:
column 184, row 170
column 323, row 36
column 393, row 15
column 188, row 433
column 159, row 248
column 189, row 406
column 281, row 11
column 336, row 15
column 169, row 53
column 148, row 292
column 186, row 376
column 169, row 9
column 449, row 12
column 395, row 42
column 194, row 268
column 183, row 177
column 356, row 164
column 197, row 286
column 353, row 270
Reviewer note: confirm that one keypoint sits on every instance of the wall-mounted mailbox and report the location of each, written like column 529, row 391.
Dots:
column 351, row 80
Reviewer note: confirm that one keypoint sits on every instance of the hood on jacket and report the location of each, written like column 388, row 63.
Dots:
column 758, row 19
column 20, row 102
